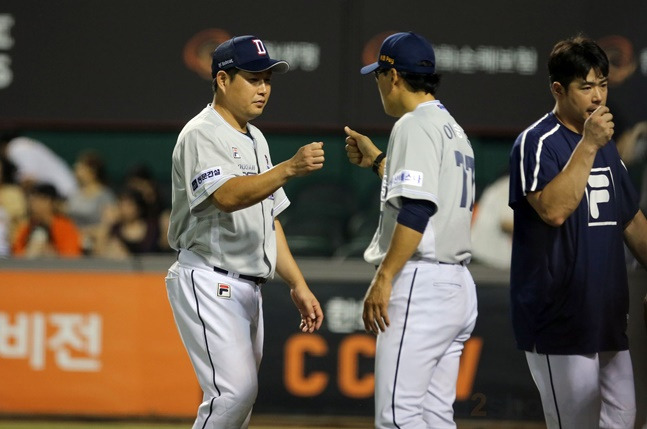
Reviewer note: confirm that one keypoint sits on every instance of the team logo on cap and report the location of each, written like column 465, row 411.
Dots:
column 260, row 47
column 387, row 59
column 224, row 291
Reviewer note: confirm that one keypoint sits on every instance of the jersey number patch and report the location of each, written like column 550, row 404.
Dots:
column 467, row 164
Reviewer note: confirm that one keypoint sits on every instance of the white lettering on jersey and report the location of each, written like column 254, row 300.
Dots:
column 407, row 177
column 204, row 176
column 599, row 193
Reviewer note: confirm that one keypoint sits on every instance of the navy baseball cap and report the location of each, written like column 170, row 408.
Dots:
column 407, row 52
column 247, row 53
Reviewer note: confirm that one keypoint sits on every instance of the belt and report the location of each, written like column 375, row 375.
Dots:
column 463, row 263
column 254, row 279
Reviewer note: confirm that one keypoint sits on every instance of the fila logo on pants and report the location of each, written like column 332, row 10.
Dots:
column 224, row 291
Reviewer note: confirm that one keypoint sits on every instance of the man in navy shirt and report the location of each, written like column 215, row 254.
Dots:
column 574, row 209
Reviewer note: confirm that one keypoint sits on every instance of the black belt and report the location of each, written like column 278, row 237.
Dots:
column 463, row 263
column 257, row 280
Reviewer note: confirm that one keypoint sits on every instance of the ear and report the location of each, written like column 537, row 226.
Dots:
column 221, row 80
column 394, row 77
column 557, row 89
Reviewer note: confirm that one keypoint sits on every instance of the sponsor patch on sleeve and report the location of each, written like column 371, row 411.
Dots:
column 407, row 177
column 205, row 176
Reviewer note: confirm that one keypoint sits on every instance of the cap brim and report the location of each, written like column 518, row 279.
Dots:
column 277, row 66
column 369, row 68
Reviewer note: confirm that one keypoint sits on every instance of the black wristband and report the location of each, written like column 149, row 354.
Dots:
column 377, row 161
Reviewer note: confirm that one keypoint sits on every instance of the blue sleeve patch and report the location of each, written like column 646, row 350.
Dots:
column 205, row 176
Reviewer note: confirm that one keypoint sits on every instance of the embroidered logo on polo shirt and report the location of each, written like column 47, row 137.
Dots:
column 601, row 197
column 235, row 152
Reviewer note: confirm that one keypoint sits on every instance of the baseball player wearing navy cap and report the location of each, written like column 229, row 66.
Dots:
column 226, row 197
column 574, row 210
column 422, row 300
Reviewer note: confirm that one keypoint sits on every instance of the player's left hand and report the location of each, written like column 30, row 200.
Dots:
column 309, row 308
column 376, row 302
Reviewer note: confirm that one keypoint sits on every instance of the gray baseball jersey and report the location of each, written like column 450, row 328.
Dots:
column 428, row 157
column 209, row 152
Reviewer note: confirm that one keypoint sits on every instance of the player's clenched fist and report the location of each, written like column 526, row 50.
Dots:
column 598, row 128
column 308, row 159
column 359, row 148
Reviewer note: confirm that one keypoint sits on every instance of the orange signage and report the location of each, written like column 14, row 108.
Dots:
column 91, row 344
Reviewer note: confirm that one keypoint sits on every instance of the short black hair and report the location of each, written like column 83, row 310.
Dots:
column 231, row 72
column 573, row 58
column 422, row 82
column 428, row 83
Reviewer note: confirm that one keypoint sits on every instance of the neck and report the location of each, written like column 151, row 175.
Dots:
column 411, row 100
column 576, row 127
column 229, row 117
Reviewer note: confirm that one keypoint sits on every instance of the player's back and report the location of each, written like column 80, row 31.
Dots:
column 438, row 147
column 451, row 224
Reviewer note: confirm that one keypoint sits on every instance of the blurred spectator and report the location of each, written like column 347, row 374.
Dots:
column 36, row 163
column 492, row 226
column 94, row 197
column 632, row 146
column 628, row 105
column 5, row 243
column 12, row 200
column 127, row 230
column 46, row 232
column 141, row 179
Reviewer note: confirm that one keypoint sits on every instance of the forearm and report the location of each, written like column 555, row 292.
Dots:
column 404, row 243
column 561, row 197
column 286, row 266
column 244, row 191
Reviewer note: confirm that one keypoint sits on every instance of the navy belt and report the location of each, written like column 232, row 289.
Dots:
column 257, row 280
column 463, row 263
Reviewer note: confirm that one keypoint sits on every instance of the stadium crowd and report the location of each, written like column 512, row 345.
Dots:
column 49, row 209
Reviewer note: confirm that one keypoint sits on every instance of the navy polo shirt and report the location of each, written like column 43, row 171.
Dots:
column 568, row 284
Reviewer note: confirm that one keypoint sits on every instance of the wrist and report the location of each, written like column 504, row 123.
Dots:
column 377, row 161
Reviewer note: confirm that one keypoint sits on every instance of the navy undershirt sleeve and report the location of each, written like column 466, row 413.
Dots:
column 415, row 214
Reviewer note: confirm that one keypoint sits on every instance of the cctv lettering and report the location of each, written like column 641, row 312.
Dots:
column 301, row 350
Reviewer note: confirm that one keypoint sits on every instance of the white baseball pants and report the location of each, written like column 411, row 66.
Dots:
column 585, row 391
column 432, row 310
column 220, row 320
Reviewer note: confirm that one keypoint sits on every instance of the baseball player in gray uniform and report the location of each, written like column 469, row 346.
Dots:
column 422, row 300
column 226, row 197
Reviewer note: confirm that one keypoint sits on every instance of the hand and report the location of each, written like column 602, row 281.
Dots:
column 598, row 128
column 376, row 302
column 309, row 308
column 360, row 149
column 308, row 158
